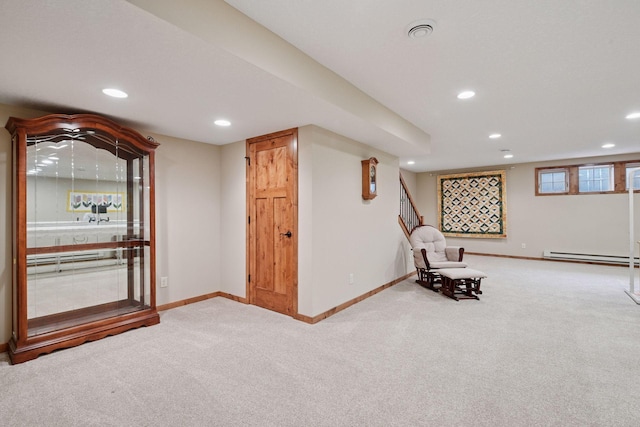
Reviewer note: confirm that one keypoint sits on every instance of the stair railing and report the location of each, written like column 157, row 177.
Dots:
column 409, row 217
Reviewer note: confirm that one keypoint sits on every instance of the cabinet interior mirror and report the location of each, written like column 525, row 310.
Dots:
column 87, row 228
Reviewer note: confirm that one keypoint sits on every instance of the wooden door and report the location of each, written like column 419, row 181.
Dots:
column 272, row 203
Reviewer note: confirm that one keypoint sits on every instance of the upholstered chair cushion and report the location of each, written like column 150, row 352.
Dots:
column 439, row 254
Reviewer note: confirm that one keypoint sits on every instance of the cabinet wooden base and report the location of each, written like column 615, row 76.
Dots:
column 32, row 347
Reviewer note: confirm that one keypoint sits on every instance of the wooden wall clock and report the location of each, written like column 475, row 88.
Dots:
column 369, row 178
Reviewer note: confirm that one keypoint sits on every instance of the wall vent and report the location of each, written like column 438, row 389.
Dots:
column 419, row 29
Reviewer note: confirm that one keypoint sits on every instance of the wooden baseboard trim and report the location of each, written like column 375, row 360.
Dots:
column 233, row 297
column 199, row 298
column 302, row 317
column 5, row 347
column 573, row 261
column 315, row 319
column 187, row 301
column 334, row 310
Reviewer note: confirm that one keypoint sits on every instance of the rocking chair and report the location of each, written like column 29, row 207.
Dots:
column 430, row 253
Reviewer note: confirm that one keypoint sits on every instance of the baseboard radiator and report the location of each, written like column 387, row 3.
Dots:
column 605, row 259
column 49, row 263
column 69, row 257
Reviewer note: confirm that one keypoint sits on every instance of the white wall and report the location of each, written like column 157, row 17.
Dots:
column 305, row 221
column 339, row 232
column 411, row 179
column 595, row 223
column 233, row 224
column 201, row 214
column 188, row 197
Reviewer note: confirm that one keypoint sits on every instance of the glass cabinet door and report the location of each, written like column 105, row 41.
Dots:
column 86, row 200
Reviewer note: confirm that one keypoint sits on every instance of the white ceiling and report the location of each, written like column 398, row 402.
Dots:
column 555, row 78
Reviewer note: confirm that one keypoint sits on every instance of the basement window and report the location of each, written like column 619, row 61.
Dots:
column 636, row 179
column 596, row 178
column 592, row 178
column 553, row 181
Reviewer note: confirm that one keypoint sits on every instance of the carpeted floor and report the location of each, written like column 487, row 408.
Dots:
column 552, row 344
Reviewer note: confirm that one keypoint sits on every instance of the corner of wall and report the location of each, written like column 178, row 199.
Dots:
column 341, row 235
column 233, row 227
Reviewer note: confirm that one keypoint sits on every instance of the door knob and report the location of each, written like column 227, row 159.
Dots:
column 288, row 234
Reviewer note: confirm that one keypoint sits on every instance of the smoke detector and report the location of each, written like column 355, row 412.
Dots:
column 420, row 29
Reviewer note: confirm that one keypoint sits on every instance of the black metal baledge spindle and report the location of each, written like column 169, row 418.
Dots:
column 408, row 213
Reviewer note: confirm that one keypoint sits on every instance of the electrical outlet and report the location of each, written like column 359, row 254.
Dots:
column 524, row 246
column 352, row 279
column 164, row 282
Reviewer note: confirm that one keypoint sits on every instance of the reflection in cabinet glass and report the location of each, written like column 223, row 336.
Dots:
column 83, row 232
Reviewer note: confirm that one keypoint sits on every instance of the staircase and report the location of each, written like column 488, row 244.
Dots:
column 409, row 217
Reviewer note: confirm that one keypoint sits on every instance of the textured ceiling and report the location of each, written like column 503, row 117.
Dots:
column 554, row 78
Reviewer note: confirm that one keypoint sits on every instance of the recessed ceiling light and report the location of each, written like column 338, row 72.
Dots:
column 632, row 116
column 466, row 94
column 507, row 153
column 411, row 162
column 608, row 145
column 116, row 93
column 495, row 136
column 222, row 122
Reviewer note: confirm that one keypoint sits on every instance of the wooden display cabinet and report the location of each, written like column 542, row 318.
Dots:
column 83, row 232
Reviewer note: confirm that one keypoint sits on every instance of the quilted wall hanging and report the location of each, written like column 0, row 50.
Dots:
column 473, row 204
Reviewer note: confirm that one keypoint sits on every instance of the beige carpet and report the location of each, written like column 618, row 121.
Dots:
column 552, row 344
